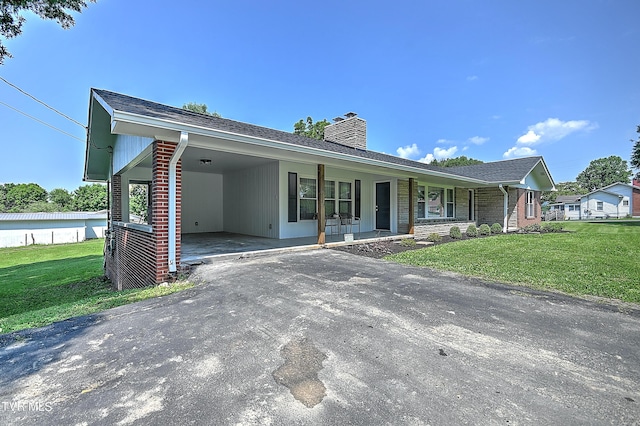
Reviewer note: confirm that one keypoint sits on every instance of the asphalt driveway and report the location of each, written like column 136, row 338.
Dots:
column 325, row 337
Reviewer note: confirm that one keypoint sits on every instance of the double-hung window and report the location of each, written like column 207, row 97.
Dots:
column 308, row 198
column 599, row 206
column 330, row 198
column 530, row 207
column 345, row 197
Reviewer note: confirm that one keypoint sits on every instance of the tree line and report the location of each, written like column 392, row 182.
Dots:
column 31, row 197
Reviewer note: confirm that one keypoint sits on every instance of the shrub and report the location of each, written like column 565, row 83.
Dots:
column 472, row 231
column 535, row 227
column 408, row 242
column 484, row 229
column 433, row 237
column 455, row 233
column 496, row 228
column 552, row 227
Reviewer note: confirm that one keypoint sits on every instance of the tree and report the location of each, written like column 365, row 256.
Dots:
column 603, row 172
column 19, row 196
column 61, row 198
column 456, row 161
column 200, row 109
column 11, row 16
column 310, row 129
column 635, row 155
column 139, row 201
column 562, row 188
column 90, row 198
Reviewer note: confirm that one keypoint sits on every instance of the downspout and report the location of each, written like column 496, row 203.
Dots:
column 184, row 141
column 506, row 209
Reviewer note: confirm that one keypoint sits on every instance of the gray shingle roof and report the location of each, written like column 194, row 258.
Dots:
column 564, row 199
column 500, row 171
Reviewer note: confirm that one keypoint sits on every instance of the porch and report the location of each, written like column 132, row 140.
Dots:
column 200, row 247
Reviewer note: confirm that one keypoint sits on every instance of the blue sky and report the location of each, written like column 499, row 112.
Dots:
column 489, row 80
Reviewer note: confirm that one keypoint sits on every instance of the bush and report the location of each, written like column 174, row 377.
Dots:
column 484, row 229
column 455, row 233
column 533, row 228
column 408, row 242
column 496, row 228
column 472, row 231
column 552, row 227
column 434, row 238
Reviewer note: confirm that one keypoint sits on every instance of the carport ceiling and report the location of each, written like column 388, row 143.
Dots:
column 221, row 162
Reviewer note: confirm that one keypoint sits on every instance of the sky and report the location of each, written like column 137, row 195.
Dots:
column 490, row 80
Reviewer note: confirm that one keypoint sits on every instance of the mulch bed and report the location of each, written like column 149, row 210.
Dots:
column 381, row 249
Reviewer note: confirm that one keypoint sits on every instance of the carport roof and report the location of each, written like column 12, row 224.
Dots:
column 506, row 172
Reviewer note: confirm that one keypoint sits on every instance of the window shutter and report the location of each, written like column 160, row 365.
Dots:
column 358, row 184
column 293, row 197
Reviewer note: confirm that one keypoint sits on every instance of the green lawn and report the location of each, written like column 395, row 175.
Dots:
column 43, row 284
column 598, row 259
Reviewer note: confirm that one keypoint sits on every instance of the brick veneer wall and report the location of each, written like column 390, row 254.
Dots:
column 635, row 201
column 351, row 132
column 403, row 206
column 521, row 209
column 138, row 257
column 490, row 206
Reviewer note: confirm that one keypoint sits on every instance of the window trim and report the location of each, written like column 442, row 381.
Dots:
column 530, row 204
column 599, row 206
column 314, row 198
column 446, row 203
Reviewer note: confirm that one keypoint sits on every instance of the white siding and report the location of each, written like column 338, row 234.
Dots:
column 611, row 206
column 307, row 228
column 251, row 201
column 202, row 202
column 20, row 233
column 129, row 148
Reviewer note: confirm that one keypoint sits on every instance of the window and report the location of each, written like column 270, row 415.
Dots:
column 139, row 206
column 329, row 198
column 530, row 208
column 435, row 202
column 308, row 198
column 599, row 206
column 345, row 197
column 573, row 208
column 625, row 203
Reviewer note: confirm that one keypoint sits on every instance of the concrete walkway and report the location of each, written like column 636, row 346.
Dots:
column 325, row 337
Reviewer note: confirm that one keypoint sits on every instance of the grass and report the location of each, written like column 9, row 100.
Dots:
column 598, row 259
column 43, row 284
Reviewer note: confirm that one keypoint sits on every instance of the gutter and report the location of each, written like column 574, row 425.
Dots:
column 506, row 209
column 182, row 145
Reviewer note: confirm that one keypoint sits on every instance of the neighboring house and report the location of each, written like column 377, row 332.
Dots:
column 568, row 206
column 615, row 200
column 23, row 229
column 209, row 174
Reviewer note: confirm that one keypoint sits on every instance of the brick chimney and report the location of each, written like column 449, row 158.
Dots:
column 349, row 130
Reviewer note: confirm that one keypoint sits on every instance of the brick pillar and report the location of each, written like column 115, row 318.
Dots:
column 116, row 198
column 162, row 152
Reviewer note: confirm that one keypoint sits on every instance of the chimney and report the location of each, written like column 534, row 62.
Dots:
column 349, row 130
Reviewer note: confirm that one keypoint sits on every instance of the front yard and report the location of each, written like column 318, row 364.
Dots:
column 597, row 259
column 43, row 284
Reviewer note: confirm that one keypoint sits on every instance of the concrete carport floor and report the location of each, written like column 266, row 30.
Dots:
column 325, row 337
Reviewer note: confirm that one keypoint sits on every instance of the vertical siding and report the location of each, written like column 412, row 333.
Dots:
column 202, row 202
column 251, row 201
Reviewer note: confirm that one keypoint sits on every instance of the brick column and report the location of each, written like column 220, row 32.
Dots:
column 162, row 152
column 116, row 198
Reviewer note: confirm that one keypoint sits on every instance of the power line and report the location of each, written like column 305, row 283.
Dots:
column 43, row 103
column 40, row 121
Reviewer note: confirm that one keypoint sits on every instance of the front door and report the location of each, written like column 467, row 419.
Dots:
column 383, row 205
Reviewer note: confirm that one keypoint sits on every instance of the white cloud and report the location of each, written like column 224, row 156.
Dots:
column 445, row 142
column 519, row 151
column 477, row 140
column 441, row 153
column 408, row 151
column 472, row 78
column 553, row 129
column 427, row 158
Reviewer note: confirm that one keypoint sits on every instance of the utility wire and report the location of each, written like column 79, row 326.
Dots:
column 40, row 121
column 43, row 103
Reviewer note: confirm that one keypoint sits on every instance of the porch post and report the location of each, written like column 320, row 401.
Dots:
column 412, row 189
column 321, row 212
